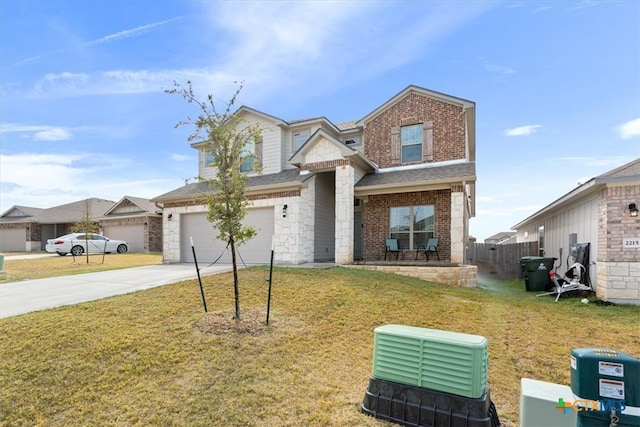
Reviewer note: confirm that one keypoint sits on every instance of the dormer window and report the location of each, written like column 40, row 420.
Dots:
column 354, row 140
column 299, row 138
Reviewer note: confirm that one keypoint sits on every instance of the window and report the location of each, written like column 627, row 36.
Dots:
column 412, row 225
column 249, row 162
column 411, row 142
column 248, row 152
column 299, row 138
column 208, row 158
column 541, row 240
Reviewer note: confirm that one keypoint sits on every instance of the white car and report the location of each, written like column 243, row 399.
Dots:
column 77, row 244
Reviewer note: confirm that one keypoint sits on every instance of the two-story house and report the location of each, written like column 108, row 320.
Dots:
column 335, row 192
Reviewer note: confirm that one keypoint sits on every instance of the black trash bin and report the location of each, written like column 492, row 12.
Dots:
column 535, row 271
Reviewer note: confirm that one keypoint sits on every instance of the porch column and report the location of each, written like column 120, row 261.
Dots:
column 345, row 181
column 457, row 225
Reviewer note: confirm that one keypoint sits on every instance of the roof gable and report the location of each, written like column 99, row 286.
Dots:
column 132, row 205
column 323, row 147
column 466, row 104
column 16, row 212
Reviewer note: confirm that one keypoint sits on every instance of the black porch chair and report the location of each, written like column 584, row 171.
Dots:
column 431, row 246
column 392, row 247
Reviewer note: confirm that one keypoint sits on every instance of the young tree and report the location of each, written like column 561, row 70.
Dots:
column 227, row 139
column 86, row 225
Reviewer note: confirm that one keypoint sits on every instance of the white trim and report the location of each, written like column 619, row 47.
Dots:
column 423, row 166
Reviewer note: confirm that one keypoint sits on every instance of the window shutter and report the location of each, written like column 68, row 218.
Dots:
column 427, row 141
column 258, row 147
column 396, row 149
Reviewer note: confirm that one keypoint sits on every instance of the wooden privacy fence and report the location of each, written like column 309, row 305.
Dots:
column 500, row 261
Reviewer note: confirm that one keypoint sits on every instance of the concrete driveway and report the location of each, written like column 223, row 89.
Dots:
column 40, row 294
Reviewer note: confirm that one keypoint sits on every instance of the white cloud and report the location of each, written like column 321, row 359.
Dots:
column 37, row 132
column 522, row 130
column 54, row 134
column 45, row 180
column 108, row 38
column 181, row 157
column 630, row 129
column 278, row 45
column 501, row 69
column 270, row 42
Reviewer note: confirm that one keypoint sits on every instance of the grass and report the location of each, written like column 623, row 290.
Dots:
column 38, row 268
column 155, row 358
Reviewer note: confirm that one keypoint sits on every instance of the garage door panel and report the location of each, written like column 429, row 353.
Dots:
column 13, row 239
column 209, row 248
column 132, row 234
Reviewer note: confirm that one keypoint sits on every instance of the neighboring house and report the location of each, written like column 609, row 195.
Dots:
column 502, row 238
column 335, row 192
column 135, row 220
column 599, row 212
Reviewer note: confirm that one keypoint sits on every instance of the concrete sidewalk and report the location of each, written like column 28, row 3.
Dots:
column 40, row 294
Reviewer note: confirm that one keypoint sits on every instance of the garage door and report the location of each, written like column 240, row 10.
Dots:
column 209, row 248
column 132, row 234
column 13, row 239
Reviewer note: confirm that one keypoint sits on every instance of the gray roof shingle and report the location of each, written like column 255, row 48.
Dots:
column 197, row 188
column 423, row 174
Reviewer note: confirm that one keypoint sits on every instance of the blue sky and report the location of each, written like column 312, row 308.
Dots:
column 83, row 112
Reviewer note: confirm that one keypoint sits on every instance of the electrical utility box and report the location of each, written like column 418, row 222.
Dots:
column 607, row 384
column 444, row 361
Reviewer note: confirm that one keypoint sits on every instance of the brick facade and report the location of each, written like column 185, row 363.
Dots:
column 618, row 267
column 448, row 128
column 375, row 220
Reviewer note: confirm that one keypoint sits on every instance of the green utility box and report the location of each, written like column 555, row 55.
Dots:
column 444, row 361
column 535, row 270
column 603, row 381
column 1, row 263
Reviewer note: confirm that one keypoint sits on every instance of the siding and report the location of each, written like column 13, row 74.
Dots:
column 324, row 247
column 271, row 144
column 579, row 217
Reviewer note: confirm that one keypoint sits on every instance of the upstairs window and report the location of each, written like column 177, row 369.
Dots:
column 411, row 142
column 412, row 225
column 208, row 158
column 252, row 154
column 249, row 151
column 299, row 138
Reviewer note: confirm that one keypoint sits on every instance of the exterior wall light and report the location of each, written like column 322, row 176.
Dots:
column 284, row 211
column 633, row 210
column 169, row 217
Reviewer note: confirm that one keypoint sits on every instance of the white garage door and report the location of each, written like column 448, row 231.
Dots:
column 132, row 234
column 13, row 239
column 209, row 248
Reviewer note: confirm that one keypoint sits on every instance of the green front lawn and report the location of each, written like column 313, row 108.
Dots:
column 155, row 358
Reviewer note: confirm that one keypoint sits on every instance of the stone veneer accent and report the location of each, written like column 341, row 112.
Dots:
column 464, row 276
column 618, row 268
column 458, row 232
column 344, row 192
column 293, row 234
